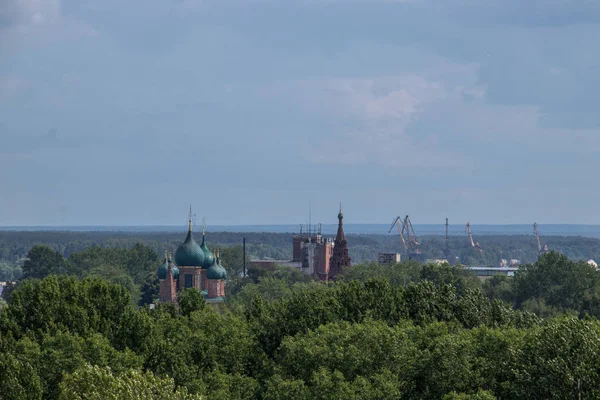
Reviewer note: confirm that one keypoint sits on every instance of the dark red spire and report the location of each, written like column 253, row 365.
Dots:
column 340, row 258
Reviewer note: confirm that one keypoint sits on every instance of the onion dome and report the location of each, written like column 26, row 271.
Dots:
column 216, row 271
column 189, row 253
column 174, row 269
column 161, row 273
column 163, row 270
column 209, row 257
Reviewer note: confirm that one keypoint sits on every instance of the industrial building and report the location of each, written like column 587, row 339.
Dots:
column 314, row 254
column 388, row 258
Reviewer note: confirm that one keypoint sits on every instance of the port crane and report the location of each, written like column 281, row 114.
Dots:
column 409, row 239
column 541, row 250
column 473, row 243
column 399, row 224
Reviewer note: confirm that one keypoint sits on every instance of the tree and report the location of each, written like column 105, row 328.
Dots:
column 560, row 360
column 97, row 383
column 18, row 379
column 6, row 272
column 479, row 395
column 190, row 300
column 560, row 283
column 43, row 261
column 150, row 289
column 61, row 303
column 141, row 260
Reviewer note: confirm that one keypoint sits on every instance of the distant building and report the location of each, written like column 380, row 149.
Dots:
column 487, row 272
column 436, row 261
column 194, row 266
column 388, row 258
column 314, row 254
column 340, row 258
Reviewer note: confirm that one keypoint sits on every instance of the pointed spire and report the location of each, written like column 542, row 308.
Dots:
column 190, row 221
column 166, row 257
column 203, row 226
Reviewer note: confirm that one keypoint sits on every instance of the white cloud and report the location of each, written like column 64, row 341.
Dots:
column 370, row 118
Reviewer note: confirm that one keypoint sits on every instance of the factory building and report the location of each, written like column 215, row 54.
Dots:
column 315, row 255
column 388, row 258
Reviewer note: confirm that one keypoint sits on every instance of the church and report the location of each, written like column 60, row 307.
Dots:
column 194, row 266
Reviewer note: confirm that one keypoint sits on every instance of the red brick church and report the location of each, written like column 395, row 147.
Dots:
column 194, row 266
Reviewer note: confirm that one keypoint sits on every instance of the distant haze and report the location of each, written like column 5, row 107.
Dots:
column 592, row 231
column 123, row 113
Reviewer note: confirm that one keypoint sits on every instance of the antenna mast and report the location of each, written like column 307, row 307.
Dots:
column 447, row 247
column 309, row 218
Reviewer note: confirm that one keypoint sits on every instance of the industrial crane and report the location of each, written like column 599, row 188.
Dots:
column 408, row 237
column 473, row 243
column 413, row 243
column 398, row 223
column 541, row 250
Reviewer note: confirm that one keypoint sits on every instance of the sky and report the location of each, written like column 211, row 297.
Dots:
column 126, row 112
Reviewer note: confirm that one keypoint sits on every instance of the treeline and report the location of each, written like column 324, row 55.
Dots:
column 65, row 338
column 14, row 246
column 552, row 286
column 134, row 268
column 379, row 332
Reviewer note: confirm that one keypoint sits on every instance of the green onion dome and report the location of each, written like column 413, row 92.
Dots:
column 189, row 254
column 216, row 271
column 163, row 270
column 209, row 257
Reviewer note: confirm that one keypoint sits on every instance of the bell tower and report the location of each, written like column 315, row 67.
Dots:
column 340, row 258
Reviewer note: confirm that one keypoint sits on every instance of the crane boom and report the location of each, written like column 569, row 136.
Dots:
column 541, row 250
column 400, row 228
column 413, row 243
column 473, row 243
column 537, row 237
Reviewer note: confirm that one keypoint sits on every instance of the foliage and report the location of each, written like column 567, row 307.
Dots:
column 190, row 300
column 93, row 382
column 43, row 261
column 378, row 332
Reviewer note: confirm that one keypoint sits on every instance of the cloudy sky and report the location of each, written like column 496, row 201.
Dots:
column 124, row 112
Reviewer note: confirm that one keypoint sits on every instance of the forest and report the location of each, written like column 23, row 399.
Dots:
column 79, row 325
column 15, row 245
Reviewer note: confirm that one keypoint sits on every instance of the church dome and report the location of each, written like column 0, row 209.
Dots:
column 209, row 257
column 162, row 271
column 189, row 253
column 216, row 271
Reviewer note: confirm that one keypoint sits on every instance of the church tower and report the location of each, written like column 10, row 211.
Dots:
column 340, row 258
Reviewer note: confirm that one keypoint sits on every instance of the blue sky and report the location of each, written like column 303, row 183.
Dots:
column 125, row 112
